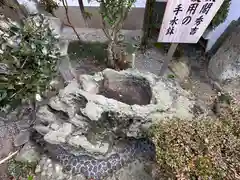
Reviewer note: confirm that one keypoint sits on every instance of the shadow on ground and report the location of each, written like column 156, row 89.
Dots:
column 80, row 50
column 87, row 57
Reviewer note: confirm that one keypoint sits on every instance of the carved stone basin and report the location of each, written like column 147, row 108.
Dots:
column 108, row 115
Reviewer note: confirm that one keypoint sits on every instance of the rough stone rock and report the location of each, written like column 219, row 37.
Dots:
column 181, row 69
column 56, row 26
column 42, row 129
column 127, row 102
column 109, row 107
column 22, row 138
column 82, row 141
column 28, row 154
column 88, row 84
column 57, row 83
column 93, row 111
column 46, row 115
column 232, row 88
column 64, row 65
column 59, row 135
column 225, row 64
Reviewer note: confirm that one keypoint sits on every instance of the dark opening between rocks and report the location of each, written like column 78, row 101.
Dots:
column 129, row 90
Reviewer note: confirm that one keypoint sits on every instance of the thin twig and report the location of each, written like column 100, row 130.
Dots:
column 16, row 93
column 8, row 157
column 24, row 62
column 65, row 5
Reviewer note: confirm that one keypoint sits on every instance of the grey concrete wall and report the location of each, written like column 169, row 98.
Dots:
column 10, row 13
column 133, row 21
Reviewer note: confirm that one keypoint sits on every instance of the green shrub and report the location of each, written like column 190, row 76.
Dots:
column 199, row 149
column 49, row 5
column 28, row 60
column 221, row 14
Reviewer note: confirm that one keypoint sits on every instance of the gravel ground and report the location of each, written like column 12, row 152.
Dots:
column 7, row 133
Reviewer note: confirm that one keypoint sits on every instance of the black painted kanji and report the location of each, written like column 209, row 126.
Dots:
column 178, row 9
column 206, row 8
column 192, row 8
column 174, row 21
column 186, row 20
column 194, row 30
column 170, row 30
column 199, row 20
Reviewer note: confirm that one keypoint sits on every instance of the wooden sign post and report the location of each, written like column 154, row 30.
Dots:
column 184, row 22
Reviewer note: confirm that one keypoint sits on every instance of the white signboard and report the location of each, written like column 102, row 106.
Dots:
column 186, row 20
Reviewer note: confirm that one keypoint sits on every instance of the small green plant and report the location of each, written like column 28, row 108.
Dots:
column 28, row 60
column 171, row 76
column 158, row 45
column 199, row 149
column 30, row 177
column 49, row 5
column 19, row 170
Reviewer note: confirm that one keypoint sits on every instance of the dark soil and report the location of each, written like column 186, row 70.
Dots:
column 88, row 58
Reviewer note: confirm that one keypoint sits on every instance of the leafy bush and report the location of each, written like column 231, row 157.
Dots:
column 28, row 60
column 49, row 5
column 221, row 14
column 200, row 149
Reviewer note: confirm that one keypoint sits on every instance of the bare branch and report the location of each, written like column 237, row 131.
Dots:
column 8, row 157
column 65, row 5
column 83, row 12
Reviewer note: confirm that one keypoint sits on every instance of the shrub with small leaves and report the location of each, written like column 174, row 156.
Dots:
column 221, row 15
column 199, row 149
column 28, row 60
column 49, row 5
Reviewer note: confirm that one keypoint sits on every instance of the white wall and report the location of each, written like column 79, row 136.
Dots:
column 30, row 4
column 138, row 4
column 234, row 14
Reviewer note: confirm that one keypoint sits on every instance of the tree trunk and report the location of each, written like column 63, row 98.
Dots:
column 110, row 54
column 148, row 16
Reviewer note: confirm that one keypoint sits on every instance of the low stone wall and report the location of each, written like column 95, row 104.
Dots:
column 133, row 21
